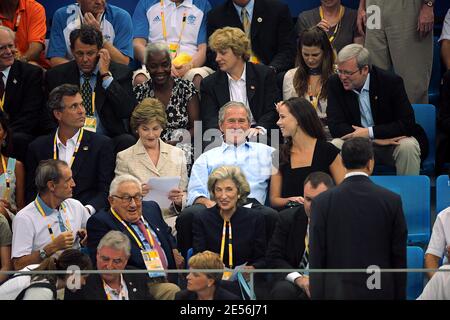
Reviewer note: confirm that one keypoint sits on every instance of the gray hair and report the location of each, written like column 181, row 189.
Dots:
column 57, row 94
column 235, row 174
column 116, row 240
column 10, row 32
column 156, row 47
column 48, row 170
column 357, row 51
column 233, row 104
column 117, row 181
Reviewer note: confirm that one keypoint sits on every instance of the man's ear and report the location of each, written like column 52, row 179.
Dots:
column 51, row 186
column 371, row 165
column 57, row 114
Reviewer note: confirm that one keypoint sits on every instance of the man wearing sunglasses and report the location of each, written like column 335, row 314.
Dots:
column 366, row 101
column 152, row 245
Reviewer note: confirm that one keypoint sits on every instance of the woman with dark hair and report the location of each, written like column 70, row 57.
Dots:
column 12, row 175
column 315, row 64
column 44, row 286
column 305, row 150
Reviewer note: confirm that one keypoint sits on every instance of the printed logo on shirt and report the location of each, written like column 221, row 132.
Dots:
column 157, row 19
column 191, row 19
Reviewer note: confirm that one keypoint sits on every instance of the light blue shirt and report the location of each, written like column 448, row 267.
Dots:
column 364, row 106
column 48, row 211
column 248, row 7
column 105, row 84
column 254, row 159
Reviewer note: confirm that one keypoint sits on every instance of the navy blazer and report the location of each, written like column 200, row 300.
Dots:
column 262, row 94
column 113, row 105
column 92, row 169
column 24, row 97
column 103, row 221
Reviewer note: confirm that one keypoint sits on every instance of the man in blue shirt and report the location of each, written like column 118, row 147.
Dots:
column 254, row 159
column 114, row 23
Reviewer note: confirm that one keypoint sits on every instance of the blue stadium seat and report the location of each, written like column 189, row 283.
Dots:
column 414, row 279
column 442, row 193
column 415, row 194
column 425, row 115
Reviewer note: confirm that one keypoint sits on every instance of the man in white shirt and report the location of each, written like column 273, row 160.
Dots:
column 53, row 221
column 288, row 248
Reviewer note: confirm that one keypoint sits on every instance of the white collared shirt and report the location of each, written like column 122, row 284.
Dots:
column 113, row 294
column 6, row 74
column 356, row 173
column 238, row 90
column 65, row 152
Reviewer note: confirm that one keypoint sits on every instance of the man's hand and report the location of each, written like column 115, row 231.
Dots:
column 389, row 142
column 63, row 241
column 361, row 18
column 425, row 22
column 246, row 274
column 359, row 132
column 82, row 235
column 104, row 61
column 253, row 132
column 179, row 260
column 92, row 21
column 303, row 283
column 324, row 25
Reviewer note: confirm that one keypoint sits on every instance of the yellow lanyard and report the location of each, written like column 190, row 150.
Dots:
column 7, row 180
column 49, row 227
column 77, row 146
column 164, row 28
column 230, row 244
column 314, row 99
column 93, row 103
column 341, row 14
column 139, row 243
column 2, row 101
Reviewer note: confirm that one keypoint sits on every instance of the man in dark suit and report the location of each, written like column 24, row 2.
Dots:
column 357, row 225
column 105, row 85
column 21, row 94
column 238, row 80
column 286, row 249
column 366, row 101
column 142, row 222
column 89, row 155
column 270, row 30
column 113, row 253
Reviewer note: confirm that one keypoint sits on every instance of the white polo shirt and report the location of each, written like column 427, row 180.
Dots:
column 440, row 237
column 30, row 228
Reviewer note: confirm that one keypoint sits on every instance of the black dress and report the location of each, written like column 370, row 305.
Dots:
column 293, row 178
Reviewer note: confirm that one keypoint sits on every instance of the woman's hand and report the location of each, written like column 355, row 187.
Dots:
column 298, row 199
column 176, row 196
column 145, row 189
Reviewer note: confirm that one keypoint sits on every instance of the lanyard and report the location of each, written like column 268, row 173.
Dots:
column 77, row 146
column 139, row 243
column 230, row 243
column 2, row 101
column 93, row 102
column 314, row 99
column 49, row 228
column 164, row 28
column 7, row 179
column 341, row 14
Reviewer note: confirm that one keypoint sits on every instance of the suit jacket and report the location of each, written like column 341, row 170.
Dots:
column 112, row 105
column 353, row 226
column 248, row 232
column 103, row 221
column 24, row 97
column 93, row 290
column 287, row 246
column 92, row 169
column 136, row 161
column 391, row 110
column 272, row 31
column 262, row 94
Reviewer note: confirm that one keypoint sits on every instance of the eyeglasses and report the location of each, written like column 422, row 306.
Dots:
column 127, row 199
column 346, row 73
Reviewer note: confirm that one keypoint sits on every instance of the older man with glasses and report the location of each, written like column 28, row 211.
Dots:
column 152, row 245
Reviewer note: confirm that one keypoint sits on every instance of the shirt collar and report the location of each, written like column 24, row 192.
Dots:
column 242, row 78
column 226, row 146
column 6, row 73
column 366, row 86
column 357, row 173
column 47, row 210
column 248, row 7
column 94, row 72
column 185, row 3
column 73, row 139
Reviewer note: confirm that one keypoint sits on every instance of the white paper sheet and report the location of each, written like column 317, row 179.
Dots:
column 159, row 189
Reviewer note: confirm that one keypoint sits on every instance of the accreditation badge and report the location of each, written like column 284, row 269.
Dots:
column 227, row 274
column 173, row 48
column 90, row 124
column 153, row 262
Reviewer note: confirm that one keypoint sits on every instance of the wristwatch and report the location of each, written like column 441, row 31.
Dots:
column 107, row 74
column 42, row 254
column 429, row 3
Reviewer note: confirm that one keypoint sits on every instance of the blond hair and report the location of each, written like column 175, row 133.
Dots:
column 231, row 38
column 207, row 260
column 150, row 109
column 235, row 174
